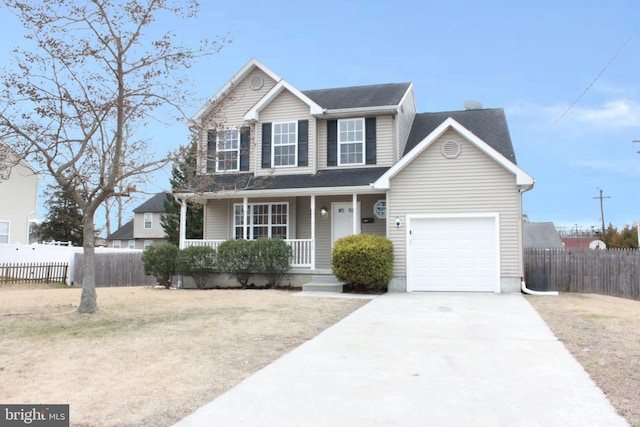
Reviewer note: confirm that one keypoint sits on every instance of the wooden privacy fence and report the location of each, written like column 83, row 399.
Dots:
column 34, row 272
column 614, row 272
column 115, row 269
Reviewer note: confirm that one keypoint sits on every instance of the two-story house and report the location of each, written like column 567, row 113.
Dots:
column 313, row 166
column 144, row 229
column 18, row 197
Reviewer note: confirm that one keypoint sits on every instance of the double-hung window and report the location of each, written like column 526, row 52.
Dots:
column 4, row 231
column 264, row 220
column 284, row 138
column 228, row 150
column 351, row 142
column 148, row 220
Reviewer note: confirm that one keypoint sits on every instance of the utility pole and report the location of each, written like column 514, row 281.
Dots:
column 602, row 209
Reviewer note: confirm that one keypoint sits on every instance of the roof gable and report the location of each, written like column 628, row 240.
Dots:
column 522, row 178
column 238, row 77
column 489, row 124
column 254, row 112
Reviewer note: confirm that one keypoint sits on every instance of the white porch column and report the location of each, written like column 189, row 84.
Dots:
column 354, row 203
column 183, row 223
column 313, row 232
column 245, row 216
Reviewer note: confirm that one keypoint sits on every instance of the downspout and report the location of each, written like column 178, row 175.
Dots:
column 525, row 290
column 523, row 285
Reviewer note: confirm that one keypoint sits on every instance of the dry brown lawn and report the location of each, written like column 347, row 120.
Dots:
column 603, row 334
column 150, row 356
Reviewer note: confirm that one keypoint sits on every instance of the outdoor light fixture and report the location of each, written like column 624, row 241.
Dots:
column 398, row 222
column 324, row 211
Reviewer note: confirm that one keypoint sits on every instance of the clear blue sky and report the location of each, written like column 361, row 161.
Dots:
column 534, row 61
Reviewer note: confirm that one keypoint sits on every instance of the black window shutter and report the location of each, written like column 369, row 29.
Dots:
column 245, row 133
column 303, row 142
column 370, row 143
column 266, row 145
column 211, row 150
column 332, row 142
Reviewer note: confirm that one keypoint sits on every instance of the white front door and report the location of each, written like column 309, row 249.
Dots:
column 342, row 220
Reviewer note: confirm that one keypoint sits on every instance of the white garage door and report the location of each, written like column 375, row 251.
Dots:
column 453, row 254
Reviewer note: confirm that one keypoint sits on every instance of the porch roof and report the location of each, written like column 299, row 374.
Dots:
column 332, row 180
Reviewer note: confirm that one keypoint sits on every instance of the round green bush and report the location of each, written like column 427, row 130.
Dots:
column 237, row 257
column 198, row 262
column 161, row 261
column 273, row 259
column 363, row 260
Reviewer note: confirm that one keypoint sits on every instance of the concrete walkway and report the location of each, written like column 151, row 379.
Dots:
column 427, row 359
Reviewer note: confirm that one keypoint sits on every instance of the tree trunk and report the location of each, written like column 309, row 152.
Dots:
column 88, row 300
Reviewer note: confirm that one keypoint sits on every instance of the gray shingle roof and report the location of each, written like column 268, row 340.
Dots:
column 322, row 179
column 542, row 235
column 489, row 124
column 154, row 204
column 123, row 233
column 359, row 96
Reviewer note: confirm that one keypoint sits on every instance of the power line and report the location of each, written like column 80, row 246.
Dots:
column 613, row 58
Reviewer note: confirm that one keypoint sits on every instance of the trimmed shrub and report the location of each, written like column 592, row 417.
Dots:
column 237, row 258
column 161, row 261
column 273, row 259
column 198, row 262
column 363, row 260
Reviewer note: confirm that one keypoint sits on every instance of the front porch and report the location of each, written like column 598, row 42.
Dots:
column 308, row 223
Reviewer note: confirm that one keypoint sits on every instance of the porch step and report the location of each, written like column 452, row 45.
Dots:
column 323, row 283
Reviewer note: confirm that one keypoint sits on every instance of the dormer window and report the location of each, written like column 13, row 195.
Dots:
column 285, row 137
column 351, row 139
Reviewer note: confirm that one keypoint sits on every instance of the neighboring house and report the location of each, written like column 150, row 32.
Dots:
column 144, row 229
column 313, row 166
column 18, row 197
column 583, row 243
column 541, row 235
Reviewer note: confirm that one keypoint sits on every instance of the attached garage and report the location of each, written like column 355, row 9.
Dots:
column 453, row 253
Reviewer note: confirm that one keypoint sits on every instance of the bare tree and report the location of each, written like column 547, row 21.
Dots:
column 90, row 78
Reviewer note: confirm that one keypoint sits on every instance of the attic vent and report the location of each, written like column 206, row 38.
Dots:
column 451, row 149
column 256, row 82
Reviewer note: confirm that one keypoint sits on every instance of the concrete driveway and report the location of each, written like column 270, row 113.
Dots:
column 422, row 359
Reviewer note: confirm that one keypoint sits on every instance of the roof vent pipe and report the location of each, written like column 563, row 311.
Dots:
column 472, row 105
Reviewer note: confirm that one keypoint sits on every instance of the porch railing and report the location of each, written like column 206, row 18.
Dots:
column 301, row 249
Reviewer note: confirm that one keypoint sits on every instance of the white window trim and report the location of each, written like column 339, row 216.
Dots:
column 340, row 143
column 273, row 145
column 147, row 243
column 144, row 221
column 218, row 150
column 270, row 225
column 117, row 244
column 131, row 244
column 8, row 229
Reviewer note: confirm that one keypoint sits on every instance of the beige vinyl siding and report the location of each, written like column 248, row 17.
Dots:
column 155, row 232
column 471, row 183
column 405, row 121
column 286, row 107
column 385, row 140
column 18, row 201
column 232, row 108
